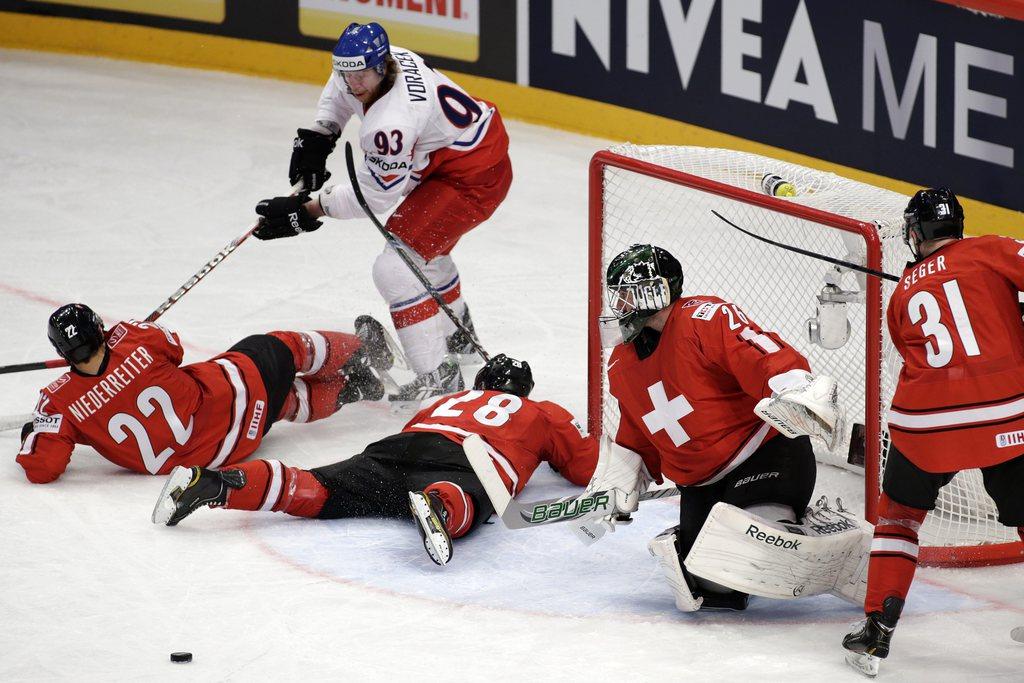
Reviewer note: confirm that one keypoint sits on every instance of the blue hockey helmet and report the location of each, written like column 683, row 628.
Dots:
column 361, row 46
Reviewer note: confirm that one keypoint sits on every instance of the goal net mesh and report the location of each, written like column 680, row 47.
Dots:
column 778, row 288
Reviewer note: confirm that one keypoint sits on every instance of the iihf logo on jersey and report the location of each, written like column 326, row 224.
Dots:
column 1008, row 439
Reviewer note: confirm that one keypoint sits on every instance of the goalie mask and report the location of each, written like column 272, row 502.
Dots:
column 75, row 331
column 932, row 214
column 509, row 375
column 641, row 281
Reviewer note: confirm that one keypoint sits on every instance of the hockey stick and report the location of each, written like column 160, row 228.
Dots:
column 162, row 308
column 516, row 515
column 394, row 244
column 820, row 257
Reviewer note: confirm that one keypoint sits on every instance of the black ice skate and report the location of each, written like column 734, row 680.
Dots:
column 431, row 521
column 446, row 379
column 190, row 488
column 375, row 342
column 362, row 383
column 868, row 645
column 459, row 343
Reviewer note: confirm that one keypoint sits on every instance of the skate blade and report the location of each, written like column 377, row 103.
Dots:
column 435, row 539
column 177, row 481
column 864, row 663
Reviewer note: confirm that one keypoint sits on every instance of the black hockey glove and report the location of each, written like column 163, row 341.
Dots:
column 309, row 159
column 284, row 217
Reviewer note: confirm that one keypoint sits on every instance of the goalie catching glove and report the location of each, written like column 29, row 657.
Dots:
column 284, row 217
column 803, row 404
column 622, row 473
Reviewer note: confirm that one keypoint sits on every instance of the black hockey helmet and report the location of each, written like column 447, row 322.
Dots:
column 502, row 373
column 932, row 214
column 75, row 331
column 641, row 281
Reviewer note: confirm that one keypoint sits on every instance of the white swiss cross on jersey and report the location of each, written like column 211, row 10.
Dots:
column 666, row 414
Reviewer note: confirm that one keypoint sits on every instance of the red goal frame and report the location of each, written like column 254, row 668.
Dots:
column 952, row 556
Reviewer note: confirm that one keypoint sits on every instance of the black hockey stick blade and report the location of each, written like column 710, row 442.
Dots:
column 820, row 257
column 350, row 164
column 516, row 515
column 41, row 365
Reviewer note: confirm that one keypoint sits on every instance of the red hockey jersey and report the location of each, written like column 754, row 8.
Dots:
column 519, row 434
column 688, row 408
column 145, row 413
column 955, row 320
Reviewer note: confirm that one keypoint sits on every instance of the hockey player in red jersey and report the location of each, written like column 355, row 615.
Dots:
column 424, row 142
column 422, row 469
column 128, row 396
column 955, row 320
column 702, row 393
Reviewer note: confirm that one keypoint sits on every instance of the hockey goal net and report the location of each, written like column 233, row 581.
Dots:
column 664, row 195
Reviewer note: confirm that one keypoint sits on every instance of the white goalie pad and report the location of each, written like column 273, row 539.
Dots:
column 827, row 553
column 804, row 408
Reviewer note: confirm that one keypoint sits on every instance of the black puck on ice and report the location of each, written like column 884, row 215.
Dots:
column 181, row 657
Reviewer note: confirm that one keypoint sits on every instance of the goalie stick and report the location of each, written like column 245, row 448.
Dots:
column 162, row 308
column 516, row 515
column 394, row 244
column 812, row 254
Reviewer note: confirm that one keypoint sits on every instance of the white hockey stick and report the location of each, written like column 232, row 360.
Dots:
column 516, row 515
column 14, row 421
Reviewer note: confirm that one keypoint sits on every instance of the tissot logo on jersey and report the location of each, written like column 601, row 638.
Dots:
column 49, row 424
column 111, row 385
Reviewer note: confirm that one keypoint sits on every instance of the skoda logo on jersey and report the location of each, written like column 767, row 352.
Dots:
column 350, row 63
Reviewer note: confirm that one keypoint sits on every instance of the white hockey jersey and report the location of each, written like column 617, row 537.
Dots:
column 422, row 113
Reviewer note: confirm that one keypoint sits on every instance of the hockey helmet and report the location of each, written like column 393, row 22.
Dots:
column 641, row 281
column 932, row 214
column 502, row 373
column 75, row 331
column 361, row 46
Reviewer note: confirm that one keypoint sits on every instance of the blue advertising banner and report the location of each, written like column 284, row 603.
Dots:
column 910, row 89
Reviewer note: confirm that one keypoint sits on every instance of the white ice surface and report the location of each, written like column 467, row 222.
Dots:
column 117, row 181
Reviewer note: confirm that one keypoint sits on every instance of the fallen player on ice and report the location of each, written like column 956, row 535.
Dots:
column 422, row 470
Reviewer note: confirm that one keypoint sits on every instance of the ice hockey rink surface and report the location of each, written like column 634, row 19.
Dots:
column 119, row 180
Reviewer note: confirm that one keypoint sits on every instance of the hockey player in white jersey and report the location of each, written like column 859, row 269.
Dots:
column 425, row 142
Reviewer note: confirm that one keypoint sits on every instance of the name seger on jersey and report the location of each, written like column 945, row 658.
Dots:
column 954, row 318
column 688, row 408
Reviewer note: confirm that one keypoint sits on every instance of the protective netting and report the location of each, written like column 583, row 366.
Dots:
column 778, row 288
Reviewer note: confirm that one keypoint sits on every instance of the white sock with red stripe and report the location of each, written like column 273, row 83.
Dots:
column 421, row 325
column 458, row 504
column 272, row 486
column 894, row 551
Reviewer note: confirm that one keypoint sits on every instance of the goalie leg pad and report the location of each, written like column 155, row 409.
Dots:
column 784, row 561
column 663, row 548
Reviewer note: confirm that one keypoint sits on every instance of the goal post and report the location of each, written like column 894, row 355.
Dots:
column 664, row 195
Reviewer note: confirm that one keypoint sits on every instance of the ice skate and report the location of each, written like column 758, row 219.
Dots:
column 431, row 521
column 190, row 488
column 868, row 644
column 375, row 342
column 361, row 384
column 446, row 379
column 459, row 343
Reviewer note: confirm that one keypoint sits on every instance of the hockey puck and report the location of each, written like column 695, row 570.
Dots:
column 181, row 657
column 1018, row 634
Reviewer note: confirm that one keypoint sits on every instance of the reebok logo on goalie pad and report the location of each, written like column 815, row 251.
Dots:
column 771, row 539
